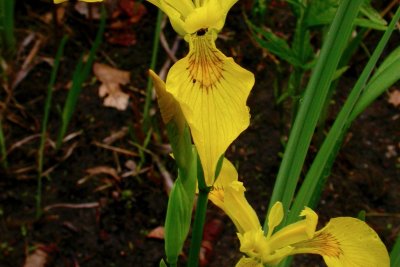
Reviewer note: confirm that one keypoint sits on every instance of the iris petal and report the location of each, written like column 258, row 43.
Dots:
column 212, row 91
column 347, row 242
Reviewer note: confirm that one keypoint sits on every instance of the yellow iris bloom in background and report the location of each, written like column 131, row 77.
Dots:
column 343, row 242
column 210, row 88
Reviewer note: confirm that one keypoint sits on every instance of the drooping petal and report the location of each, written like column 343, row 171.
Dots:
column 212, row 91
column 275, row 217
column 347, row 242
column 238, row 209
column 227, row 175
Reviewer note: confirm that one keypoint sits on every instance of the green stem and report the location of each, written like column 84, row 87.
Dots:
column 149, row 89
column 199, row 218
column 198, row 225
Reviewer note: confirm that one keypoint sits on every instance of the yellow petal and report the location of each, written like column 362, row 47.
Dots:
column 212, row 91
column 275, row 217
column 184, row 7
column 296, row 232
column 347, row 242
column 253, row 243
column 227, row 175
column 238, row 209
column 206, row 17
column 248, row 262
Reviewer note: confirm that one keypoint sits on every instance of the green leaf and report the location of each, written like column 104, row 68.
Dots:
column 274, row 44
column 321, row 12
column 179, row 211
column 162, row 263
column 395, row 253
column 181, row 143
column 373, row 15
column 369, row 24
column 177, row 221
column 314, row 181
column 386, row 75
column 339, row 72
column 81, row 73
column 312, row 103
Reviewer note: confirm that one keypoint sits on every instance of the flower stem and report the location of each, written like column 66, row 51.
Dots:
column 156, row 43
column 198, row 225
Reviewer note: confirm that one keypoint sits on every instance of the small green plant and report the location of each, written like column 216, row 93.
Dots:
column 43, row 136
column 80, row 75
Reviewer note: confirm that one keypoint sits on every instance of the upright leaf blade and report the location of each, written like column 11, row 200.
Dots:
column 312, row 104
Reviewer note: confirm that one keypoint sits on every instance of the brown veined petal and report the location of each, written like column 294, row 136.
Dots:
column 212, row 91
column 347, row 242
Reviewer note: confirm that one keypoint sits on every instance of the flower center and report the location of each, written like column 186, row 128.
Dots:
column 205, row 60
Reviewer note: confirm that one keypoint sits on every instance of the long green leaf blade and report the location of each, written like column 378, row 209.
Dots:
column 312, row 104
column 322, row 164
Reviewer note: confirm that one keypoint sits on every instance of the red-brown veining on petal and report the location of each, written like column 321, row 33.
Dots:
column 205, row 62
column 322, row 243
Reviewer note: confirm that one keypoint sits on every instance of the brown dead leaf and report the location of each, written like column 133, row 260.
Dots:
column 124, row 38
column 111, row 79
column 84, row 9
column 394, row 98
column 37, row 259
column 60, row 13
column 157, row 233
column 134, row 9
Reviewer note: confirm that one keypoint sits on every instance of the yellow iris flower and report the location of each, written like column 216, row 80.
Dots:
column 89, row 1
column 343, row 242
column 210, row 88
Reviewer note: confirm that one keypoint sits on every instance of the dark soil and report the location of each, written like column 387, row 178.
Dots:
column 111, row 228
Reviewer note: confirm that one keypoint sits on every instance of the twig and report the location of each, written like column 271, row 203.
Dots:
column 90, row 205
column 168, row 62
column 116, row 149
column 166, row 47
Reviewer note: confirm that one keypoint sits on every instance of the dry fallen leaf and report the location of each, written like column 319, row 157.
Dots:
column 111, row 79
column 37, row 259
column 83, row 9
column 134, row 9
column 60, row 15
column 157, row 233
column 124, row 38
column 394, row 98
